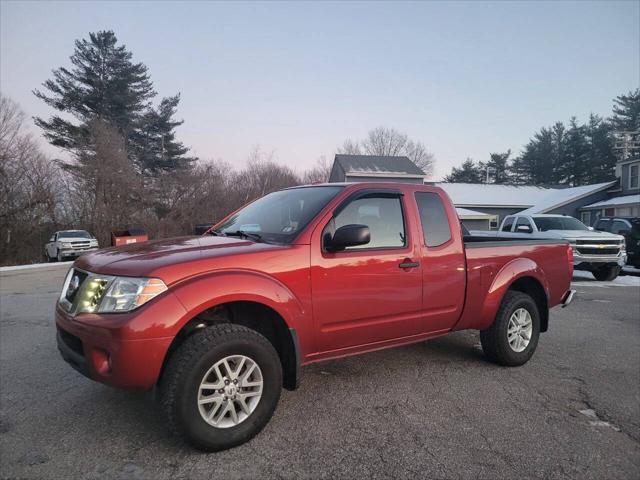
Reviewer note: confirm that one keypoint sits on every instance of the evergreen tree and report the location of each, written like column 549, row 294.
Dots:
column 626, row 112
column 104, row 84
column 156, row 147
column 601, row 159
column 572, row 164
column 468, row 172
column 498, row 167
column 535, row 165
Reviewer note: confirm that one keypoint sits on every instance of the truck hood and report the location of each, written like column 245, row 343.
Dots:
column 169, row 259
column 581, row 234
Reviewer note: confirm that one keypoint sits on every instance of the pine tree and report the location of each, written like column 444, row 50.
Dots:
column 626, row 112
column 468, row 172
column 535, row 165
column 156, row 147
column 498, row 167
column 573, row 163
column 103, row 84
column 602, row 161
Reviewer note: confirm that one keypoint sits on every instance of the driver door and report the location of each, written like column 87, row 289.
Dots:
column 363, row 294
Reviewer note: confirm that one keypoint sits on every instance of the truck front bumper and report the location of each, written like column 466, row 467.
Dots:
column 620, row 259
column 69, row 252
column 125, row 350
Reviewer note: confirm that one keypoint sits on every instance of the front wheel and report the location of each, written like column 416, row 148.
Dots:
column 606, row 274
column 221, row 387
column 513, row 336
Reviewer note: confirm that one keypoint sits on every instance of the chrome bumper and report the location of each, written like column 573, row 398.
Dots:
column 568, row 298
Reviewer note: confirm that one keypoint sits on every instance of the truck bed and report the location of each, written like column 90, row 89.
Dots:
column 490, row 262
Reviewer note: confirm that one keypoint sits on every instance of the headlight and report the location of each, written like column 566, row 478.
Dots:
column 94, row 243
column 66, row 245
column 107, row 294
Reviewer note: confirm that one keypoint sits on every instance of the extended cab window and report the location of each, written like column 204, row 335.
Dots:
column 383, row 216
column 435, row 223
column 508, row 223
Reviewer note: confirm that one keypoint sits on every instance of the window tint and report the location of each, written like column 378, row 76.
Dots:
column 382, row 215
column 435, row 223
column 508, row 223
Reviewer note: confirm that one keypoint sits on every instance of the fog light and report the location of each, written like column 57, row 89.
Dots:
column 101, row 361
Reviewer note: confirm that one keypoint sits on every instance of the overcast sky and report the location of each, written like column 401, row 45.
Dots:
column 466, row 79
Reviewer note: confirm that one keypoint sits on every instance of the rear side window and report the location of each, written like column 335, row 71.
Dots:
column 508, row 223
column 435, row 223
column 602, row 225
column 620, row 226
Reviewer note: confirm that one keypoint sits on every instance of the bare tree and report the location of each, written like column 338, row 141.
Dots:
column 350, row 147
column 390, row 142
column 28, row 188
column 106, row 192
column 319, row 173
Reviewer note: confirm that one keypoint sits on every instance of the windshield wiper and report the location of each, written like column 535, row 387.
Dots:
column 217, row 233
column 241, row 233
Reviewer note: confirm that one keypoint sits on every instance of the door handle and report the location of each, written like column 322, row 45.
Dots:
column 407, row 263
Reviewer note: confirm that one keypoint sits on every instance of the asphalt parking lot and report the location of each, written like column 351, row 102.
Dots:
column 430, row 410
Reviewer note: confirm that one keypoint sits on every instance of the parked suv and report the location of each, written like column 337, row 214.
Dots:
column 601, row 253
column 629, row 228
column 69, row 244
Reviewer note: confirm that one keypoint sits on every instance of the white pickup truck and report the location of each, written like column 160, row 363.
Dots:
column 69, row 244
column 601, row 253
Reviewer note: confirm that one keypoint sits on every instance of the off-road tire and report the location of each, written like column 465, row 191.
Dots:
column 606, row 274
column 495, row 343
column 178, row 387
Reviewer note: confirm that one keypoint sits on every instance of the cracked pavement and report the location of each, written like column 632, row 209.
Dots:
column 431, row 410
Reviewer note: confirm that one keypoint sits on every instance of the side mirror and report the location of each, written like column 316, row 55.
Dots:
column 591, row 228
column 524, row 229
column 348, row 236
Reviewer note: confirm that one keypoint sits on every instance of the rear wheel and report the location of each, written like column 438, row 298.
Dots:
column 221, row 387
column 606, row 274
column 513, row 337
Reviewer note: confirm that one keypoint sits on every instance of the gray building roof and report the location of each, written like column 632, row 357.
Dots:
column 375, row 165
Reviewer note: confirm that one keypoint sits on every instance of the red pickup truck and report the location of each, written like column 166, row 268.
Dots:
column 221, row 322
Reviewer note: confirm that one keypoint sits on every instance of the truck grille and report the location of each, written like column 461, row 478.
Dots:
column 598, row 251
column 598, row 242
column 80, row 245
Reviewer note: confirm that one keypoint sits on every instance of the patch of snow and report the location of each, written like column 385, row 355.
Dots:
column 13, row 268
column 585, row 279
column 625, row 200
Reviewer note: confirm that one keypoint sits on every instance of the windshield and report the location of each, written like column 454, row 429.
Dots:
column 74, row 234
column 558, row 223
column 279, row 216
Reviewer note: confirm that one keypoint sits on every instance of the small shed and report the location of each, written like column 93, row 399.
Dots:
column 375, row 168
